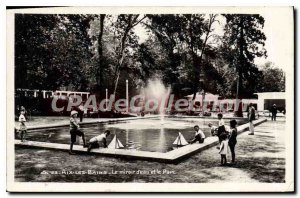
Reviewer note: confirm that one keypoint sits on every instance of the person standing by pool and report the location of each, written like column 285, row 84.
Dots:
column 232, row 139
column 75, row 131
column 81, row 112
column 23, row 128
column 251, row 117
column 274, row 112
column 95, row 141
column 199, row 135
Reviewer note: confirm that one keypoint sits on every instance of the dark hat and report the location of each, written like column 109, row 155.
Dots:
column 223, row 136
column 233, row 122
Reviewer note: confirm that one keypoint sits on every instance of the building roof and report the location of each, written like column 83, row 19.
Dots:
column 271, row 95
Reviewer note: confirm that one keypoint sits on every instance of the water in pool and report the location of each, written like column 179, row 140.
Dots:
column 143, row 134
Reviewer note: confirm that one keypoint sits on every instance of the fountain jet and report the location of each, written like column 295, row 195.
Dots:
column 156, row 90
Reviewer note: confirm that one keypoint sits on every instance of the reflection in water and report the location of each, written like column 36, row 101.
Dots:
column 146, row 135
column 161, row 140
column 127, row 139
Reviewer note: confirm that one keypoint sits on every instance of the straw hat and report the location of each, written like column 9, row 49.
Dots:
column 73, row 113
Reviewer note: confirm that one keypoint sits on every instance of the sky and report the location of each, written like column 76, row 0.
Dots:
column 278, row 32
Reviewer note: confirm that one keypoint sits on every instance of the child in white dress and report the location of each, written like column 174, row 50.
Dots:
column 223, row 149
column 23, row 128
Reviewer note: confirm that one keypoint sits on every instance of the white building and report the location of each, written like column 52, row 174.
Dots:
column 50, row 94
column 61, row 94
column 226, row 104
column 267, row 99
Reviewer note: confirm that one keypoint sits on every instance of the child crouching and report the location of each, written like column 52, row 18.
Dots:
column 95, row 141
column 199, row 135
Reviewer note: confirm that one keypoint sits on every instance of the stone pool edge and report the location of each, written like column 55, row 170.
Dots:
column 88, row 122
column 113, row 120
column 173, row 156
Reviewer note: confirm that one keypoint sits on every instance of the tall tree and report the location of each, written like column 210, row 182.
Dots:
column 197, row 28
column 166, row 30
column 185, row 40
column 71, row 53
column 52, row 51
column 101, row 65
column 273, row 79
column 124, row 25
column 32, row 35
column 243, row 42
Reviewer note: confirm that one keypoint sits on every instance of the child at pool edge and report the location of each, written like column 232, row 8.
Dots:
column 213, row 129
column 223, row 149
column 75, row 131
column 221, row 126
column 199, row 135
column 94, row 142
column 23, row 128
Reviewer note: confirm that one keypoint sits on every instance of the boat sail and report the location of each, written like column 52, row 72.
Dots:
column 180, row 140
column 115, row 143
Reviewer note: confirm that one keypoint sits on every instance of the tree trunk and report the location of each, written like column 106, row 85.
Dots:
column 198, row 61
column 239, row 112
column 121, row 53
column 202, row 102
column 100, row 51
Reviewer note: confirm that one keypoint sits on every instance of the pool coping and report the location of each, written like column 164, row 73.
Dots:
column 173, row 156
column 112, row 120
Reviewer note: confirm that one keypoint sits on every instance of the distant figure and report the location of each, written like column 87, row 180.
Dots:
column 199, row 135
column 75, row 131
column 223, row 149
column 80, row 112
column 24, row 110
column 23, row 128
column 232, row 139
column 274, row 112
column 221, row 126
column 213, row 129
column 95, row 141
column 251, row 117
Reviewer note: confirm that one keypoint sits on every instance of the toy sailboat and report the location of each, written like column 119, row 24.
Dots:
column 180, row 140
column 115, row 143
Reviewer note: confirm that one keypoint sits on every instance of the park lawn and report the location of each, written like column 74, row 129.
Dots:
column 258, row 160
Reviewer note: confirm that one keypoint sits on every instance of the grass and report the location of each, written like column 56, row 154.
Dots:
column 259, row 159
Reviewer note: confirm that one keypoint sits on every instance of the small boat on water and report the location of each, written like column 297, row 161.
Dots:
column 180, row 140
column 115, row 143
